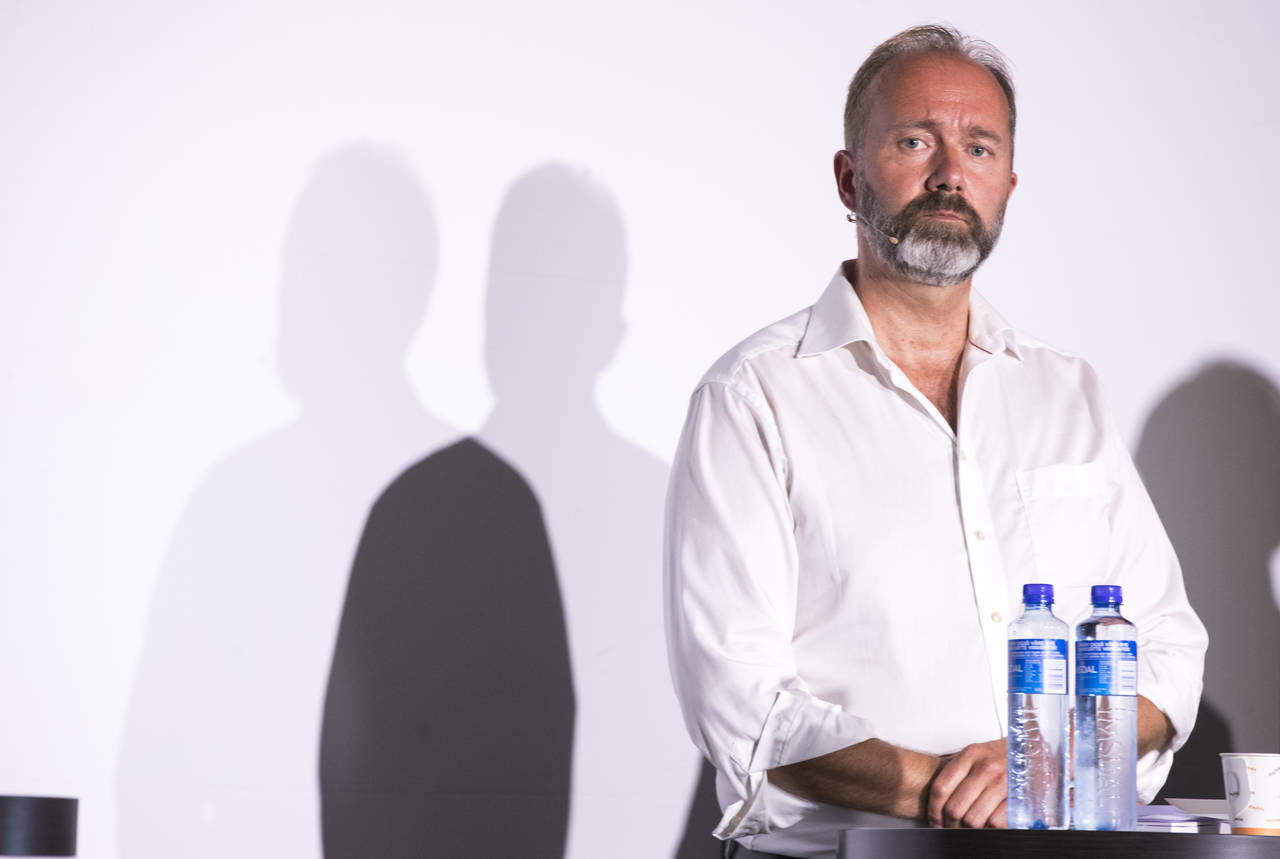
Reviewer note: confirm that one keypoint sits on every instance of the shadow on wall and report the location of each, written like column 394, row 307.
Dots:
column 553, row 317
column 1210, row 457
column 218, row 756
column 451, row 705
column 448, row 724
column 704, row 816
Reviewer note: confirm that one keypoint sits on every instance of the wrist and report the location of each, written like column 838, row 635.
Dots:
column 936, row 765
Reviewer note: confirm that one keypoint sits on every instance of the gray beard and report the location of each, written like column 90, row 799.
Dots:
column 928, row 253
column 936, row 260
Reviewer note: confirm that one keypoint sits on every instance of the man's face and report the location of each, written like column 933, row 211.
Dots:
column 934, row 168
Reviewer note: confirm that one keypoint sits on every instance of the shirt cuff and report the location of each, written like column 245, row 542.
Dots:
column 799, row 727
column 1153, row 769
column 1177, row 700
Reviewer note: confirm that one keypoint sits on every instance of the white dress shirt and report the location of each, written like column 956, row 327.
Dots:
column 841, row 565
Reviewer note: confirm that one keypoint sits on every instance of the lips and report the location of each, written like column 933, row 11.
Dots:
column 950, row 219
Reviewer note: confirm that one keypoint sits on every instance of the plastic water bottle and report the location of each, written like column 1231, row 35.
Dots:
column 1106, row 739
column 1038, row 725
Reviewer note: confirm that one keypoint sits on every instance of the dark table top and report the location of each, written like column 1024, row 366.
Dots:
column 1039, row 844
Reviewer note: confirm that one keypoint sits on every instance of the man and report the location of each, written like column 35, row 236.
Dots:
column 862, row 489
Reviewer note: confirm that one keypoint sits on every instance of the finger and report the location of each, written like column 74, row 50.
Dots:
column 979, row 813
column 1000, row 817
column 962, row 799
column 984, row 776
column 944, row 783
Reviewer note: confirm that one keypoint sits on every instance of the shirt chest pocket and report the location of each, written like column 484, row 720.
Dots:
column 1067, row 508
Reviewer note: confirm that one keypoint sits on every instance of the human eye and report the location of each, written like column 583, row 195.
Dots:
column 912, row 143
column 979, row 151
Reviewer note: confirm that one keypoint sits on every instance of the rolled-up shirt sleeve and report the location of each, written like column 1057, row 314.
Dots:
column 1171, row 639
column 730, row 589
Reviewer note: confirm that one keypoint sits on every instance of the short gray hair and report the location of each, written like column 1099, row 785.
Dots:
column 925, row 39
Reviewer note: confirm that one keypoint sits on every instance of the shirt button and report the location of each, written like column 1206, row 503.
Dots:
column 995, row 617
column 981, row 535
column 963, row 455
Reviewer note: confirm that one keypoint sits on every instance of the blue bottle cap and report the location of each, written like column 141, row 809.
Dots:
column 1106, row 595
column 1037, row 594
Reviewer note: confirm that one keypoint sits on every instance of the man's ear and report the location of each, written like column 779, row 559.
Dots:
column 1013, row 182
column 845, row 186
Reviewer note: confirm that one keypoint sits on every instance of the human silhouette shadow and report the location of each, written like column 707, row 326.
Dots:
column 218, row 756
column 1209, row 455
column 448, row 724
column 553, row 322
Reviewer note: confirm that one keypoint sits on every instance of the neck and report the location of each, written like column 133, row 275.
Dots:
column 921, row 328
column 914, row 323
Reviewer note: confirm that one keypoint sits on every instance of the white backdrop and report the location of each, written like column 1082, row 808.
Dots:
column 153, row 165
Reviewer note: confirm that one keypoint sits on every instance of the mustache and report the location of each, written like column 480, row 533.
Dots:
column 934, row 202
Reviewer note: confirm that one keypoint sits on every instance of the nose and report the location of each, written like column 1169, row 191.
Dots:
column 946, row 175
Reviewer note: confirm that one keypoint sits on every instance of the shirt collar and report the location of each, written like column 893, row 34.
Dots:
column 987, row 328
column 838, row 319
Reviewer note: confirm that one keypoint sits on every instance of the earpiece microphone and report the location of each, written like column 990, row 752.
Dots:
column 852, row 218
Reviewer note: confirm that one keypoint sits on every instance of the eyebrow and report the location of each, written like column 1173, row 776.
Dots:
column 976, row 131
column 985, row 134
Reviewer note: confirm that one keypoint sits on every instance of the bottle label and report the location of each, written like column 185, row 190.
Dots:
column 1038, row 665
column 1106, row 668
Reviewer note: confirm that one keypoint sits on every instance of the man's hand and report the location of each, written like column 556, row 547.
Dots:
column 969, row 789
column 1155, row 731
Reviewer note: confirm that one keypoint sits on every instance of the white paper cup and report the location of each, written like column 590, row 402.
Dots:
column 1253, row 792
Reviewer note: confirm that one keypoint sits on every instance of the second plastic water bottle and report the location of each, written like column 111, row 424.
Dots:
column 1038, row 732
column 1106, row 740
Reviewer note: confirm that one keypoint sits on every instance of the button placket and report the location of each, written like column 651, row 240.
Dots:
column 986, row 570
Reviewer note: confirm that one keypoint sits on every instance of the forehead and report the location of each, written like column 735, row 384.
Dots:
column 942, row 88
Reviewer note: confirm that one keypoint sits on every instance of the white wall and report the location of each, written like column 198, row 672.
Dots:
column 153, row 464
